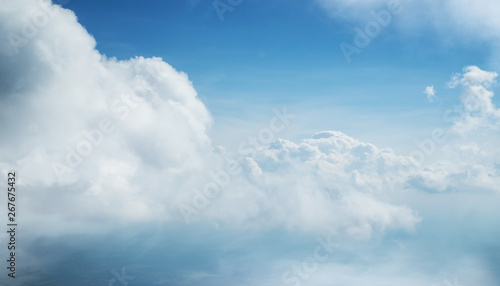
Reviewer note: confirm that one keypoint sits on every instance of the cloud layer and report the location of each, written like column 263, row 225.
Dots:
column 98, row 138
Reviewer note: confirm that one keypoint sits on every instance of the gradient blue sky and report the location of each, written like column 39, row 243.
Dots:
column 346, row 169
column 286, row 53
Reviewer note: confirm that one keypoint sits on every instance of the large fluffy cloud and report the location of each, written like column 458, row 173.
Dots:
column 88, row 134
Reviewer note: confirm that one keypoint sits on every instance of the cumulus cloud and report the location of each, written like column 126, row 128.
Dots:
column 94, row 136
column 330, row 182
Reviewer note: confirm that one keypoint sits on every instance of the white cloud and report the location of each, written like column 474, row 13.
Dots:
column 331, row 181
column 478, row 109
column 431, row 93
column 461, row 20
column 59, row 88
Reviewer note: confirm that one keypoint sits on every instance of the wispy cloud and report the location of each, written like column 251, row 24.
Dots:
column 431, row 93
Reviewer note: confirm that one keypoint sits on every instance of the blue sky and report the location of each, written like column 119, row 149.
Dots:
column 287, row 53
column 158, row 144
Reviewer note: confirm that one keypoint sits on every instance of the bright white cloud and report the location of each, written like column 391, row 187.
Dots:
column 329, row 182
column 94, row 136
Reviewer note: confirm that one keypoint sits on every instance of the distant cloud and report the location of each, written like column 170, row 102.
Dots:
column 478, row 107
column 450, row 18
column 431, row 93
